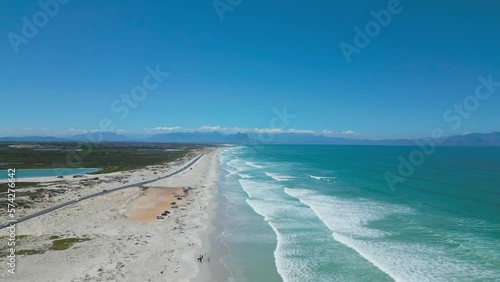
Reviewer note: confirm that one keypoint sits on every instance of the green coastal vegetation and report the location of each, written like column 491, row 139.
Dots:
column 110, row 157
column 29, row 252
column 56, row 245
column 63, row 244
column 4, row 187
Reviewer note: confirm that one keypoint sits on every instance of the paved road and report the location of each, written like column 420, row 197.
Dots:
column 42, row 212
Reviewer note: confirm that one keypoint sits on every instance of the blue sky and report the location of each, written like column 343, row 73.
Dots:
column 230, row 74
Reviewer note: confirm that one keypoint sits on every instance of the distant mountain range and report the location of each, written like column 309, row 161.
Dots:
column 473, row 139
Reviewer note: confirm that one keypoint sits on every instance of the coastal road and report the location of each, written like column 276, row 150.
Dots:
column 42, row 212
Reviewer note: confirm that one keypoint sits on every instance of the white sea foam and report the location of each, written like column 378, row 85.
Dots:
column 292, row 263
column 279, row 177
column 237, row 164
column 324, row 178
column 230, row 171
column 292, row 222
column 348, row 217
column 348, row 220
column 254, row 164
column 260, row 190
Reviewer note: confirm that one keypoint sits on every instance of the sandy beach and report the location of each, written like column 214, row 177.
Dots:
column 153, row 202
column 119, row 236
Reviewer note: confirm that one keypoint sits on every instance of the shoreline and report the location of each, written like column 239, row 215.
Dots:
column 215, row 270
column 117, row 248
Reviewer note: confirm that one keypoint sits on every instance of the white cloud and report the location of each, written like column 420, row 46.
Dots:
column 211, row 128
column 173, row 128
column 218, row 128
column 301, row 131
column 266, row 130
column 348, row 132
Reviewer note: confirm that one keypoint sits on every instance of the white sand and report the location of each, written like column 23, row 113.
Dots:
column 119, row 248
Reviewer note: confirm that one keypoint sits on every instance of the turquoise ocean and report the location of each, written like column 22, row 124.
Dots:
column 326, row 213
